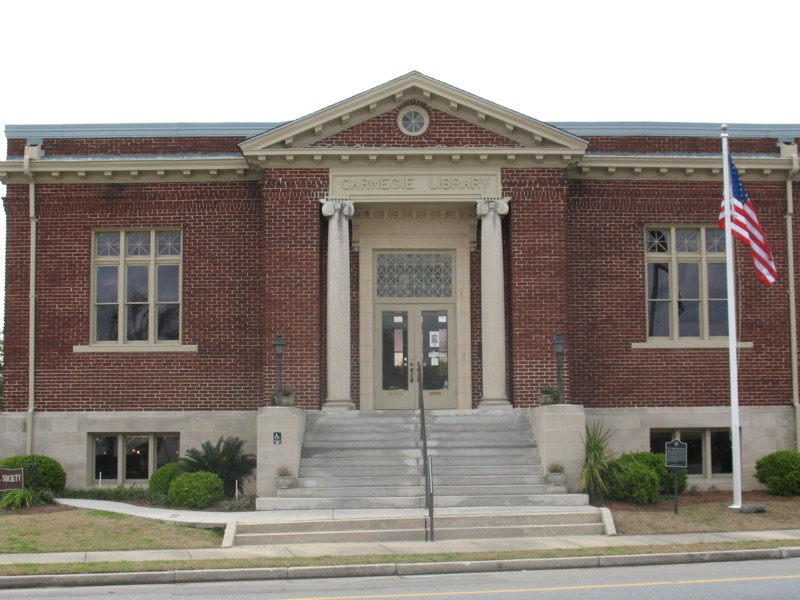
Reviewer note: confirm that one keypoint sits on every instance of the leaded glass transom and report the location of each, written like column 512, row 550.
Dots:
column 414, row 275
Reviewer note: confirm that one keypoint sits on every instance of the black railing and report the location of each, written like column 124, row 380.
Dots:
column 427, row 464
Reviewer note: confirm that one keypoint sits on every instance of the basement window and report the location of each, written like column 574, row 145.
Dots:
column 708, row 451
column 130, row 457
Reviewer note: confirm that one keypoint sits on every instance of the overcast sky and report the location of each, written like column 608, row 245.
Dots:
column 709, row 61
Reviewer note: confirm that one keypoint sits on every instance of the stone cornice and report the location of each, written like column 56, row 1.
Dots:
column 128, row 170
column 682, row 168
column 493, row 156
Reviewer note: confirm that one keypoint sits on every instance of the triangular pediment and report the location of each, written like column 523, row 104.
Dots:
column 463, row 128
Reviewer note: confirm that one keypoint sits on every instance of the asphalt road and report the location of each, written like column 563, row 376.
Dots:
column 750, row 580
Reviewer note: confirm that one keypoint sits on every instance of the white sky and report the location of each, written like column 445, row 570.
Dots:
column 116, row 61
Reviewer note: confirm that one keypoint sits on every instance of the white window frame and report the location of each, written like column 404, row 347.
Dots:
column 674, row 257
column 121, row 261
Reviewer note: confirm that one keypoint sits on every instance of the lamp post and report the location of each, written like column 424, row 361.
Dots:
column 558, row 344
column 279, row 346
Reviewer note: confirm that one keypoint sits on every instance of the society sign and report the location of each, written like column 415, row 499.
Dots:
column 11, row 479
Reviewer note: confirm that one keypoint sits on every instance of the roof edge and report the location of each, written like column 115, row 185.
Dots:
column 783, row 132
column 115, row 130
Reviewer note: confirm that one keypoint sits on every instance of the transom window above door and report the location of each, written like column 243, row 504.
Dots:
column 414, row 275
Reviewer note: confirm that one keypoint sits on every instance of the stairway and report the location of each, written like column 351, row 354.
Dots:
column 363, row 471
column 373, row 460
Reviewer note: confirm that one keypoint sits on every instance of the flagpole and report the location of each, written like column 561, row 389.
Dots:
column 732, row 337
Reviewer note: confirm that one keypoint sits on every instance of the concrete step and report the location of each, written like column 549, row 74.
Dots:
column 366, row 491
column 338, row 482
column 359, row 453
column 368, row 461
column 349, row 470
column 495, row 481
column 413, row 528
column 328, row 503
column 359, row 471
column 545, row 499
column 386, row 502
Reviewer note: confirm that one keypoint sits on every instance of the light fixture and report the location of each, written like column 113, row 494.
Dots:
column 558, row 345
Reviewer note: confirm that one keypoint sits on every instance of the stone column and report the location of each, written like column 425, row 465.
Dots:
column 338, row 311
column 493, row 318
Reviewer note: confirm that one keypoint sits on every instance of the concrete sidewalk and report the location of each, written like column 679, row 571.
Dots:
column 387, row 549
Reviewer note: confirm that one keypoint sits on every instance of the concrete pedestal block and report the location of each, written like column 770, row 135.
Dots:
column 280, row 440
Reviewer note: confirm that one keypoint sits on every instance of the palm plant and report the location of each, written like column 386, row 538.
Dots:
column 595, row 471
column 226, row 459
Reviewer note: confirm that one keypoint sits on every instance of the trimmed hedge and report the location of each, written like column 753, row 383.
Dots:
column 777, row 464
column 199, row 489
column 658, row 462
column 634, row 482
column 163, row 477
column 785, row 485
column 50, row 475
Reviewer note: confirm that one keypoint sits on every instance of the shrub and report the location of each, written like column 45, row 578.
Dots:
column 50, row 474
column 25, row 498
column 658, row 462
column 199, row 490
column 244, row 503
column 225, row 459
column 161, row 479
column 117, row 493
column 634, row 482
column 594, row 473
column 785, row 485
column 17, row 499
column 777, row 464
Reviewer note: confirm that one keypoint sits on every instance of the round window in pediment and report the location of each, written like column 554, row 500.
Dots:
column 413, row 120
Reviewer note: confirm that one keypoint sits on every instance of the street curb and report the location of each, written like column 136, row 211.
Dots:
column 10, row 582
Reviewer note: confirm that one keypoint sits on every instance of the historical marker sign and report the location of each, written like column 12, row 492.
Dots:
column 676, row 455
column 11, row 479
column 676, row 462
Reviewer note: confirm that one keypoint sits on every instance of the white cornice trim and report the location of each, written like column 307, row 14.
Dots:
column 328, row 157
column 632, row 167
column 119, row 170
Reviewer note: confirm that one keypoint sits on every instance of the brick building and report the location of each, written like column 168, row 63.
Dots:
column 150, row 268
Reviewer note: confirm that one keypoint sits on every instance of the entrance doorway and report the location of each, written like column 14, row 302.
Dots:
column 412, row 340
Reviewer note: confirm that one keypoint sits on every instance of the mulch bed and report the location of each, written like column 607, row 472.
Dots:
column 37, row 510
column 689, row 498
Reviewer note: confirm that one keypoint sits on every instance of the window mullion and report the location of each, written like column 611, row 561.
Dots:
column 704, row 328
column 151, row 291
column 674, row 328
column 122, row 286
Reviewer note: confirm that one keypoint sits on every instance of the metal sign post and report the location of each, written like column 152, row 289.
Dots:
column 676, row 456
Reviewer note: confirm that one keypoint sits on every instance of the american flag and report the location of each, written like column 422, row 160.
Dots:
column 745, row 227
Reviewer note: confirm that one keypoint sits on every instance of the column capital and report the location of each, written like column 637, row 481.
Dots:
column 487, row 205
column 330, row 207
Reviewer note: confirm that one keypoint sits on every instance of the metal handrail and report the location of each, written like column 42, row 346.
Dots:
column 426, row 460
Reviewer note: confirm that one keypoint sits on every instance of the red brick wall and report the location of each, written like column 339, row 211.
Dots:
column 223, row 292
column 293, row 301
column 443, row 130
column 537, row 285
column 664, row 144
column 605, row 232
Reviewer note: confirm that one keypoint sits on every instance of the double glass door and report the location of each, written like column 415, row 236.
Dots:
column 415, row 341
